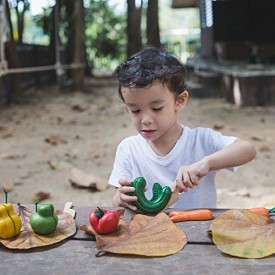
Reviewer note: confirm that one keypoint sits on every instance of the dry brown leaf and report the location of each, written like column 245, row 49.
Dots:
column 218, row 126
column 257, row 138
column 54, row 140
column 7, row 131
column 6, row 187
column 81, row 179
column 143, row 235
column 28, row 239
column 10, row 156
column 41, row 196
column 243, row 233
column 97, row 155
column 59, row 165
column 80, row 108
column 265, row 148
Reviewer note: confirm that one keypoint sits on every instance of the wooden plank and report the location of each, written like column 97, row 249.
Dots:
column 176, row 4
column 78, row 257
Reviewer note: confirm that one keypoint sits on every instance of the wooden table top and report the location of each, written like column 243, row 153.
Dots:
column 76, row 255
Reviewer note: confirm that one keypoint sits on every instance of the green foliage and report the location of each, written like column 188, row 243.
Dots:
column 44, row 20
column 105, row 30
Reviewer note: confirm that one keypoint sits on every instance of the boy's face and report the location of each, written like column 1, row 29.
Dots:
column 153, row 111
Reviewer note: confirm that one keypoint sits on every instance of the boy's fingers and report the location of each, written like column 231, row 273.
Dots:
column 126, row 189
column 180, row 185
column 126, row 198
column 130, row 206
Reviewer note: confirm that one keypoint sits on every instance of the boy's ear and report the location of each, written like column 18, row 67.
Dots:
column 182, row 99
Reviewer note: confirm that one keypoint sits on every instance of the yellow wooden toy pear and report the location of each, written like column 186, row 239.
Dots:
column 10, row 222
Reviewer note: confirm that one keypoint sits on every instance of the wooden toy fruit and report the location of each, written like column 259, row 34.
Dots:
column 44, row 221
column 10, row 222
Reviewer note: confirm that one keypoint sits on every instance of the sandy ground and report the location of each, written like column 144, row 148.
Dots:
column 53, row 131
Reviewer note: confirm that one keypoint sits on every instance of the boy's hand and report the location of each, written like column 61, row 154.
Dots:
column 121, row 194
column 190, row 175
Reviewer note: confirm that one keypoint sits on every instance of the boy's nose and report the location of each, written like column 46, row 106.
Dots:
column 146, row 120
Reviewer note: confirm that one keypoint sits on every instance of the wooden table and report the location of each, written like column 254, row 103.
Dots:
column 242, row 84
column 76, row 255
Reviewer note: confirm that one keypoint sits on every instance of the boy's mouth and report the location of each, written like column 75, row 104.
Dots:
column 148, row 133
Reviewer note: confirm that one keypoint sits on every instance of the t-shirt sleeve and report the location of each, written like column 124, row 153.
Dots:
column 217, row 141
column 121, row 166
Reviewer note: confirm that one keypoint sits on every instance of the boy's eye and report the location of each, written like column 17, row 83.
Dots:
column 157, row 109
column 134, row 111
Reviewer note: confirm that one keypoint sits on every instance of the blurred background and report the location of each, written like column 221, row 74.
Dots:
column 59, row 107
column 227, row 45
column 65, row 40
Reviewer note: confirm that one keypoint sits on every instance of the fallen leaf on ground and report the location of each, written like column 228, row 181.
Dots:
column 28, row 239
column 79, row 108
column 54, row 140
column 59, row 165
column 265, row 148
column 143, row 235
column 97, row 155
column 81, row 179
column 256, row 138
column 243, row 233
column 7, row 131
column 6, row 187
column 11, row 156
column 41, row 196
column 218, row 126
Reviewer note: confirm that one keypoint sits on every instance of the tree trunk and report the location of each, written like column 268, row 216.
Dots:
column 133, row 27
column 53, row 37
column 79, row 55
column 20, row 22
column 152, row 30
column 70, row 33
column 12, row 81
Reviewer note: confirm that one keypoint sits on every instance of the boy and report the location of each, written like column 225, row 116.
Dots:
column 152, row 86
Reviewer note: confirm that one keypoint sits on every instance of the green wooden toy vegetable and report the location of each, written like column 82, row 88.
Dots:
column 159, row 200
column 44, row 221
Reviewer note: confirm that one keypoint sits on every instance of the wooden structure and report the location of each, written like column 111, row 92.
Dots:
column 77, row 255
column 46, row 63
column 184, row 3
column 238, row 45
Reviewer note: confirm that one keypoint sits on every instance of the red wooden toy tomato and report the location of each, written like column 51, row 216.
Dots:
column 104, row 221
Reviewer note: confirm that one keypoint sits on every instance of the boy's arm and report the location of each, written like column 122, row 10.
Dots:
column 236, row 154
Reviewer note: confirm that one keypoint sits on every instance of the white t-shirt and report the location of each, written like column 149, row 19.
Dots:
column 135, row 158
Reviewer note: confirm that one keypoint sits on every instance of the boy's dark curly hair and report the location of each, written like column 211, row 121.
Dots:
column 150, row 66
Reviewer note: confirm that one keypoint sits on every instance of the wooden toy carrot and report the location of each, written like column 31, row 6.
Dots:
column 191, row 215
column 260, row 210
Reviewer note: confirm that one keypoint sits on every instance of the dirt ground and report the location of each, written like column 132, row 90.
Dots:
column 53, row 131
